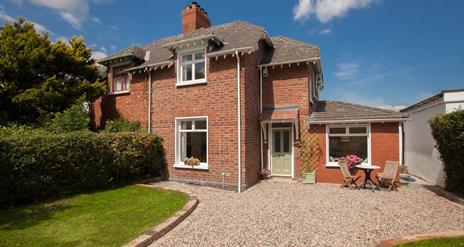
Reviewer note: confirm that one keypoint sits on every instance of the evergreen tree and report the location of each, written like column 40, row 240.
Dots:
column 39, row 78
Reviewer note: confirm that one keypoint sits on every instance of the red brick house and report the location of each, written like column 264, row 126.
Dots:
column 223, row 93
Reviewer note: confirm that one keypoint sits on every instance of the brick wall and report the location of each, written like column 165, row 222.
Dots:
column 384, row 146
column 217, row 100
column 131, row 106
column 251, row 116
column 288, row 86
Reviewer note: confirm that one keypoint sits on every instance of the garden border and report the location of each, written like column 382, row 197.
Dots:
column 419, row 237
column 158, row 231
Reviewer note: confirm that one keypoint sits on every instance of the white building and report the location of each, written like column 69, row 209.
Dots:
column 420, row 154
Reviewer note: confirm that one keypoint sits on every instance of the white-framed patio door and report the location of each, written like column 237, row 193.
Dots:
column 281, row 152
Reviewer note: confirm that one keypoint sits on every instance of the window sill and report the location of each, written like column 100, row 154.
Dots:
column 332, row 165
column 120, row 92
column 202, row 166
column 189, row 83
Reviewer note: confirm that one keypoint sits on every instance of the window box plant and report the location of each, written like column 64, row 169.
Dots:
column 192, row 161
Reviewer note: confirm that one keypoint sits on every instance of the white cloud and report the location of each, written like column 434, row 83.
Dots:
column 326, row 31
column 326, row 10
column 73, row 11
column 98, row 55
column 302, row 11
column 392, row 107
column 5, row 17
column 62, row 39
column 38, row 27
column 17, row 2
column 103, row 49
column 96, row 20
column 347, row 70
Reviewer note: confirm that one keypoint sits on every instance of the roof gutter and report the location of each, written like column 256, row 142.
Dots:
column 173, row 45
column 379, row 120
column 153, row 65
column 230, row 51
column 306, row 60
column 108, row 59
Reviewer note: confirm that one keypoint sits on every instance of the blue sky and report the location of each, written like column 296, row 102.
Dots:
column 376, row 52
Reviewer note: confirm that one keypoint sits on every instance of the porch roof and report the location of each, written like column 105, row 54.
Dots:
column 283, row 114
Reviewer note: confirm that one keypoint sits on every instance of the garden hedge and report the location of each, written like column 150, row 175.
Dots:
column 448, row 131
column 36, row 164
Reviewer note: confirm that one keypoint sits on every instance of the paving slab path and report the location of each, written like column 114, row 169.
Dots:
column 281, row 212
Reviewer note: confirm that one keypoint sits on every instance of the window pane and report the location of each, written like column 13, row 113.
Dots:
column 127, row 86
column 186, row 125
column 186, row 58
column 341, row 146
column 337, row 130
column 187, row 72
column 118, row 84
column 199, row 55
column 358, row 130
column 286, row 141
column 277, row 141
column 193, row 144
column 200, row 124
column 199, row 70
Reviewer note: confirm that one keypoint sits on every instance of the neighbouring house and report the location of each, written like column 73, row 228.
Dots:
column 421, row 156
column 236, row 99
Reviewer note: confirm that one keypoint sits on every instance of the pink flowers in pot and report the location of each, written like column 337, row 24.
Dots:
column 265, row 173
column 352, row 160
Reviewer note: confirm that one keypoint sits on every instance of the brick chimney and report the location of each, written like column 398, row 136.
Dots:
column 193, row 18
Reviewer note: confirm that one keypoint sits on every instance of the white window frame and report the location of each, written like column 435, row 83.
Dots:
column 179, row 162
column 180, row 64
column 347, row 127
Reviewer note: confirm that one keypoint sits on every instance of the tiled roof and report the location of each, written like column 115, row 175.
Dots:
column 135, row 51
column 233, row 35
column 329, row 110
column 287, row 49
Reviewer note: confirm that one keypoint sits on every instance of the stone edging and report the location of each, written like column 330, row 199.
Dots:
column 407, row 239
column 158, row 231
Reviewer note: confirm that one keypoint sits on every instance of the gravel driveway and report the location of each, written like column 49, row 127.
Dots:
column 286, row 213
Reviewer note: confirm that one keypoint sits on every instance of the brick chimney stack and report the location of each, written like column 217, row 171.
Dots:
column 193, row 18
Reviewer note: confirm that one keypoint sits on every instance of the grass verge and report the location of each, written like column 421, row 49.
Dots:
column 107, row 218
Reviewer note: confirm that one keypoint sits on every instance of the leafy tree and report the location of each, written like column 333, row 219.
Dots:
column 39, row 78
column 74, row 118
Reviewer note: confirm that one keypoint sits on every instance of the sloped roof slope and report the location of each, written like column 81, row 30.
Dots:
column 325, row 111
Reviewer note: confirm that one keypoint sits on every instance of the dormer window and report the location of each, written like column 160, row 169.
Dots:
column 121, row 81
column 191, row 69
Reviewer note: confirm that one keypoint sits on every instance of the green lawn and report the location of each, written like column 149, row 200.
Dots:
column 438, row 242
column 108, row 218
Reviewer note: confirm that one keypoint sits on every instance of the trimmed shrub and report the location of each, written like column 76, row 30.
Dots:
column 448, row 131
column 36, row 165
column 74, row 118
column 122, row 125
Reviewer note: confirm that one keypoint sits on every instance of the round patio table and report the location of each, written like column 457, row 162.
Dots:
column 368, row 168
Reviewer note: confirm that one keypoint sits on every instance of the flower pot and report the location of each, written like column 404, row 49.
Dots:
column 309, row 177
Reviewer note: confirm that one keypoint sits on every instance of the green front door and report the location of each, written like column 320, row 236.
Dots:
column 282, row 152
